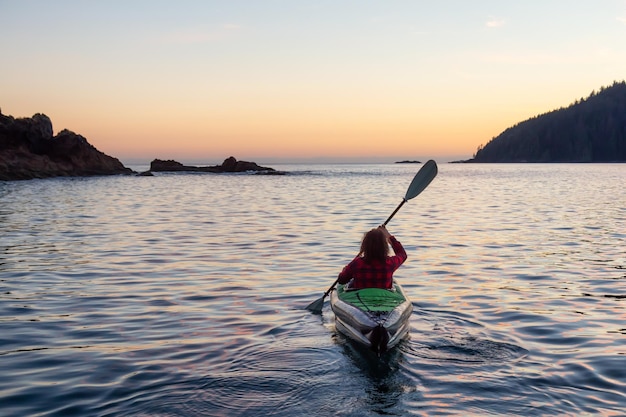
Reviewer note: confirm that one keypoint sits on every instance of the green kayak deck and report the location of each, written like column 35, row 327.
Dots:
column 372, row 299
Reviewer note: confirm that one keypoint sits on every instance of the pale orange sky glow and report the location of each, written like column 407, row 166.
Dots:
column 298, row 81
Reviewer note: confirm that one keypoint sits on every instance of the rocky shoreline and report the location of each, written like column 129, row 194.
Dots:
column 28, row 150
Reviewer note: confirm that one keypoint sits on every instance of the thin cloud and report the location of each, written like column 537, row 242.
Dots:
column 532, row 59
column 231, row 26
column 495, row 22
column 622, row 19
column 201, row 35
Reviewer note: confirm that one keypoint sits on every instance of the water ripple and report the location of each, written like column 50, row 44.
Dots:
column 184, row 295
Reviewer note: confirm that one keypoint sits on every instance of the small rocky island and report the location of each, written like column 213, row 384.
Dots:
column 28, row 149
column 229, row 165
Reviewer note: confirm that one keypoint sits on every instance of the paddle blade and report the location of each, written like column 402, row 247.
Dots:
column 421, row 180
column 316, row 306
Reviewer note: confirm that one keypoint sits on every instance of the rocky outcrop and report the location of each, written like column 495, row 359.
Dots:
column 229, row 165
column 29, row 150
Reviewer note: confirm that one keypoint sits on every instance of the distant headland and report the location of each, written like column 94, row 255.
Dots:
column 589, row 130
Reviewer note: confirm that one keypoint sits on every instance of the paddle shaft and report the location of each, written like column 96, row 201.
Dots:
column 394, row 212
column 332, row 287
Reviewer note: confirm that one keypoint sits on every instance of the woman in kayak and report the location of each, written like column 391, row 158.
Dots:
column 373, row 267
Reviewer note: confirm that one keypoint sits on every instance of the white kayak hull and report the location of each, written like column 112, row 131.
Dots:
column 356, row 317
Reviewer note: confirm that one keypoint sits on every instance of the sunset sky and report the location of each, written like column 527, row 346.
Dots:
column 300, row 81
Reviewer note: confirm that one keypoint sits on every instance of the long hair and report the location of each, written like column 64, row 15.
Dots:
column 374, row 246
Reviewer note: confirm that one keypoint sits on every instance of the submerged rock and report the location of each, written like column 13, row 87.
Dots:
column 29, row 150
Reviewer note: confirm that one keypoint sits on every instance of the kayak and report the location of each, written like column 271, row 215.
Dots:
column 375, row 317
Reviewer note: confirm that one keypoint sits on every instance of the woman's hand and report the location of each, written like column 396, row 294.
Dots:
column 385, row 232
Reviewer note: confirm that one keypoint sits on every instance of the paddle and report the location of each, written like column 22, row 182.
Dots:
column 421, row 180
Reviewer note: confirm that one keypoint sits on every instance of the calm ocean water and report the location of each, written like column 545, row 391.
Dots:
column 184, row 294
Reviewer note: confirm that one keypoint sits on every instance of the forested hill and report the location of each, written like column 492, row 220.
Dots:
column 589, row 130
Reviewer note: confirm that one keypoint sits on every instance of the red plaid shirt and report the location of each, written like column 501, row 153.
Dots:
column 376, row 274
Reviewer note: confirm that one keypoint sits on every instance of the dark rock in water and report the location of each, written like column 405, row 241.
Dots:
column 29, row 150
column 145, row 174
column 232, row 165
column 159, row 165
column 229, row 165
column 408, row 162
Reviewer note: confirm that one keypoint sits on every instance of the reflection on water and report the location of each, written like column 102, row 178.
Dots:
column 184, row 294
